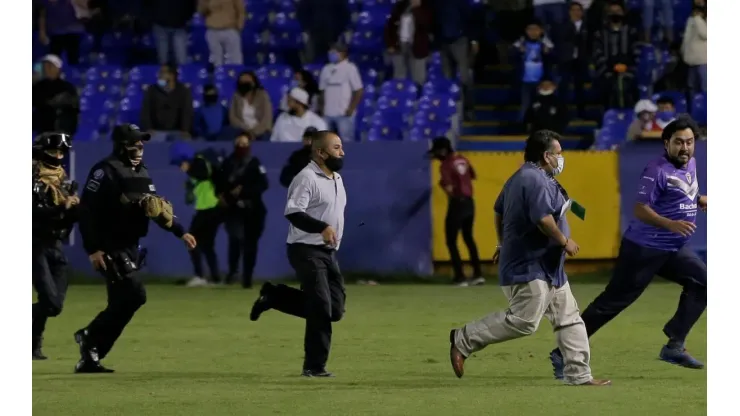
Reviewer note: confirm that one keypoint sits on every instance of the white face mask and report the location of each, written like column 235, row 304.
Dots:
column 561, row 165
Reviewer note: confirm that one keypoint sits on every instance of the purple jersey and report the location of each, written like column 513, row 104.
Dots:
column 672, row 193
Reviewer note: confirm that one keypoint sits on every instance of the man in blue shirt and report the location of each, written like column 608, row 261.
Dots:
column 656, row 243
column 534, row 236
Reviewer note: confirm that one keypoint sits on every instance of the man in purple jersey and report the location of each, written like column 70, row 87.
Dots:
column 656, row 243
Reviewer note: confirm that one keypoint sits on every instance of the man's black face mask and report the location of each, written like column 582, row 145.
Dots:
column 334, row 163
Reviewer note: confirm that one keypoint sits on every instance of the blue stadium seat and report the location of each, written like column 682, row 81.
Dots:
column 279, row 72
column 399, row 88
column 73, row 75
column 193, row 74
column 366, row 41
column 279, row 41
column 143, row 74
column 426, row 133
column 442, row 87
column 384, row 133
column 615, row 116
column 441, row 104
column 227, row 73
column 276, row 88
column 314, row 69
column 699, row 108
column 104, row 74
column 135, row 91
column 286, row 22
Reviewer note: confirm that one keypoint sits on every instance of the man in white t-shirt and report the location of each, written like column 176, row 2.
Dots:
column 341, row 92
column 290, row 125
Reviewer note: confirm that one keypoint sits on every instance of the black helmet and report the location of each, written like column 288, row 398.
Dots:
column 129, row 134
column 46, row 142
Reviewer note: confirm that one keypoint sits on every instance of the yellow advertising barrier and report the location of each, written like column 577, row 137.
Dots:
column 591, row 178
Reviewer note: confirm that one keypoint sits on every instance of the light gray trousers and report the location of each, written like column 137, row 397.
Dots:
column 225, row 46
column 404, row 63
column 528, row 303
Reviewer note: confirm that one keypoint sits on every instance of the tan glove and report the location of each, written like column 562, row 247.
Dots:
column 158, row 208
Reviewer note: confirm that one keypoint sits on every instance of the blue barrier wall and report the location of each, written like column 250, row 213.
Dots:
column 388, row 188
column 633, row 156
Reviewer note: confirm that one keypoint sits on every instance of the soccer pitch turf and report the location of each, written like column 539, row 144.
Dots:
column 195, row 352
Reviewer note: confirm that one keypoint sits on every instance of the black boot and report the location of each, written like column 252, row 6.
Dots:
column 37, row 354
column 89, row 361
column 262, row 304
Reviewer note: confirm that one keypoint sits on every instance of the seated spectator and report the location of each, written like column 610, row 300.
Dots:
column 666, row 111
column 303, row 79
column 547, row 111
column 615, row 56
column 167, row 110
column 573, row 54
column 694, row 47
column 648, row 19
column 56, row 104
column 251, row 108
column 224, row 23
column 407, row 39
column 533, row 49
column 290, row 125
column 341, row 92
column 644, row 124
column 212, row 117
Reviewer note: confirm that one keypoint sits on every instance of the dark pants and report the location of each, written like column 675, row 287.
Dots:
column 576, row 72
column 126, row 294
column 69, row 44
column 204, row 228
column 636, row 266
column 49, row 273
column 618, row 90
column 460, row 217
column 244, row 229
column 320, row 301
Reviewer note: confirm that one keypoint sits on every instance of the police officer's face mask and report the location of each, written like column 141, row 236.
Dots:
column 52, row 158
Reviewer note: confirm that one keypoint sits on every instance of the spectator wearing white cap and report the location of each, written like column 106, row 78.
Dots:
column 341, row 92
column 645, row 124
column 290, row 125
column 55, row 101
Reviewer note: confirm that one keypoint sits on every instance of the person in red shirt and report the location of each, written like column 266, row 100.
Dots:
column 457, row 182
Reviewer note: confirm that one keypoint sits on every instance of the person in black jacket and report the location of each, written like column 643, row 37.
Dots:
column 56, row 104
column 243, row 181
column 298, row 159
column 547, row 111
column 573, row 55
column 117, row 203
column 54, row 214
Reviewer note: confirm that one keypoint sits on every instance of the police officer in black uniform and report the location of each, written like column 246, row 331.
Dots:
column 298, row 159
column 118, row 200
column 54, row 214
column 242, row 182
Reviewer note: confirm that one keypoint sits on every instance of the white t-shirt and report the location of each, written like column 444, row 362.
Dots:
column 290, row 128
column 249, row 116
column 338, row 82
column 406, row 28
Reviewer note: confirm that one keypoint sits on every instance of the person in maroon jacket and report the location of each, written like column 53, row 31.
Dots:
column 407, row 38
column 457, row 182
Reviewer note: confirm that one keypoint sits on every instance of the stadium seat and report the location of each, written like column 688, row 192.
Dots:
column 699, row 108
column 143, row 74
column 399, row 88
column 104, row 74
column 227, row 73
column 679, row 99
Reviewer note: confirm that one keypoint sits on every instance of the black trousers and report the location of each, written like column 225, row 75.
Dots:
column 320, row 300
column 126, row 294
column 49, row 274
column 460, row 217
column 636, row 266
column 204, row 228
column 244, row 229
column 575, row 71
column 69, row 43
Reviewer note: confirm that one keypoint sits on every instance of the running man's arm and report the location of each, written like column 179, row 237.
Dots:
column 651, row 186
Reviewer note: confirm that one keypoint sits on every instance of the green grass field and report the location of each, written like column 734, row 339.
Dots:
column 195, row 352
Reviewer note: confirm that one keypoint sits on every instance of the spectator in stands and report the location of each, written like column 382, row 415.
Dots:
column 547, row 111
column 666, row 111
column 341, row 92
column 290, row 125
column 251, row 108
column 324, row 21
column 457, row 37
column 573, row 54
column 644, row 124
column 550, row 12
column 407, row 38
column 212, row 117
column 648, row 19
column 170, row 19
column 167, row 110
column 303, row 79
column 55, row 101
column 61, row 28
column 225, row 21
column 533, row 50
column 615, row 52
column 694, row 47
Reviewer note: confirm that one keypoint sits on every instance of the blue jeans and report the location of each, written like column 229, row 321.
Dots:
column 551, row 15
column 167, row 38
column 666, row 14
column 698, row 78
column 343, row 125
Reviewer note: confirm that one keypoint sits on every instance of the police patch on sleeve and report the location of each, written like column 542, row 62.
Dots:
column 262, row 170
column 98, row 174
column 92, row 185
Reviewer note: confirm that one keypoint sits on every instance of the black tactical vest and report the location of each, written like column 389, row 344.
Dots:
column 133, row 185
